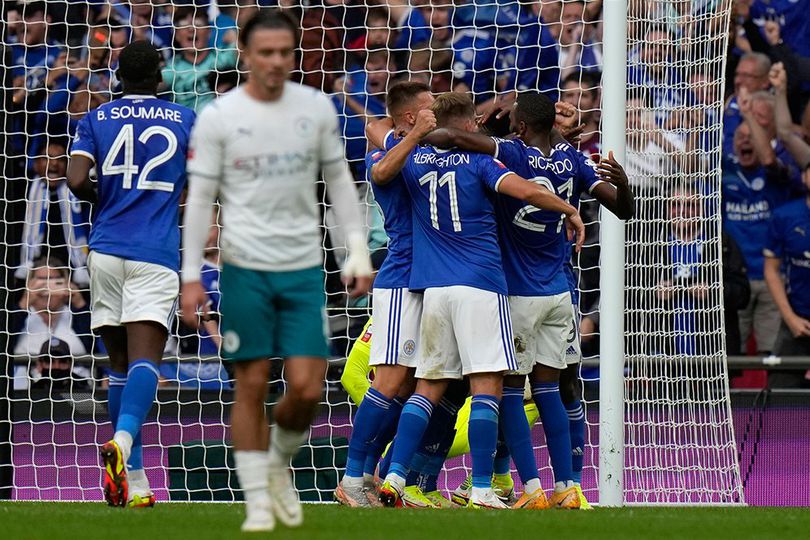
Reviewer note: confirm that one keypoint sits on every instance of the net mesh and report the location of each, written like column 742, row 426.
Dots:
column 59, row 64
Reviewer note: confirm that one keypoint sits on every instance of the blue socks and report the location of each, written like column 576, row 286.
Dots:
column 576, row 423
column 117, row 382
column 413, row 423
column 517, row 434
column 555, row 425
column 483, row 436
column 436, row 443
column 137, row 397
column 370, row 415
column 385, row 435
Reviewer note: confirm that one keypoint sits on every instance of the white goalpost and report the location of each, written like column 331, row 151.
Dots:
column 647, row 79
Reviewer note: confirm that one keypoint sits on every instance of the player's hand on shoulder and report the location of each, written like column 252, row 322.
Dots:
column 193, row 304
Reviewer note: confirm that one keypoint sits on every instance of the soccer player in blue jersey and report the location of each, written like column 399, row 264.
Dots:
column 466, row 328
column 138, row 146
column 395, row 310
column 535, row 254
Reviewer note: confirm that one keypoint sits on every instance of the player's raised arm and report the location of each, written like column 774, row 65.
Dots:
column 205, row 173
column 540, row 197
column 343, row 195
column 614, row 192
column 389, row 167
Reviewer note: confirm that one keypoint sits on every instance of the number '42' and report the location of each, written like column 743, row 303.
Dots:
column 127, row 169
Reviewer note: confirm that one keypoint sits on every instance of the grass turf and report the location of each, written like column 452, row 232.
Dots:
column 90, row 521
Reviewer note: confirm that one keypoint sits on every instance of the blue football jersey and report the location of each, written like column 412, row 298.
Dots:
column 455, row 238
column 475, row 61
column 789, row 240
column 395, row 205
column 749, row 197
column 139, row 146
column 791, row 16
column 533, row 241
column 527, row 51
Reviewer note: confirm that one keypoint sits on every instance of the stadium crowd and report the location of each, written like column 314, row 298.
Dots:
column 59, row 61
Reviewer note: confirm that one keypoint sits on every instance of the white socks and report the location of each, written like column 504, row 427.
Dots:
column 284, row 444
column 251, row 470
column 396, row 480
column 353, row 481
column 562, row 486
column 532, row 485
column 124, row 441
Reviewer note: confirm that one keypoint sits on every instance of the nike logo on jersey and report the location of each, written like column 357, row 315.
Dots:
column 244, row 131
column 800, row 231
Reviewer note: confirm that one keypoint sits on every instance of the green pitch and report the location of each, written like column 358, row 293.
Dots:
column 90, row 521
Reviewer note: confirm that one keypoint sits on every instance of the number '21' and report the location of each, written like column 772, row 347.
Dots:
column 565, row 190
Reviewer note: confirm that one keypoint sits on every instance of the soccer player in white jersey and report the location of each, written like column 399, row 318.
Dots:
column 138, row 144
column 260, row 148
column 466, row 328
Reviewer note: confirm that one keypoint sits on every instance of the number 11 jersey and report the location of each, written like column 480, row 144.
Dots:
column 139, row 146
column 455, row 239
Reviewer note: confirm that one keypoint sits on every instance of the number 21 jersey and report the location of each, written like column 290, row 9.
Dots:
column 139, row 146
column 533, row 241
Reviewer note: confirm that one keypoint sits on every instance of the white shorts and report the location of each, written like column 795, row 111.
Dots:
column 123, row 291
column 541, row 325
column 464, row 330
column 395, row 314
column 573, row 352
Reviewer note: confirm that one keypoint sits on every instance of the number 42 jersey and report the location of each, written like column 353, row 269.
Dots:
column 139, row 146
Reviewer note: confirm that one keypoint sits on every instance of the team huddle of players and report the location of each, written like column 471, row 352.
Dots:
column 475, row 294
column 474, row 297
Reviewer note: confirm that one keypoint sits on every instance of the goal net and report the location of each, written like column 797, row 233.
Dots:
column 59, row 63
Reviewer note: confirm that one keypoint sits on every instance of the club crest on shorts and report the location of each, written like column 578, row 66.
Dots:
column 409, row 347
column 230, row 341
